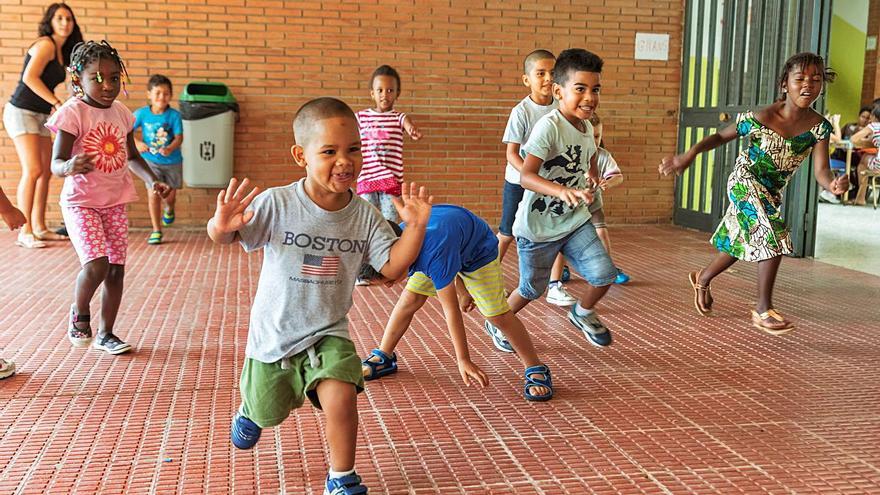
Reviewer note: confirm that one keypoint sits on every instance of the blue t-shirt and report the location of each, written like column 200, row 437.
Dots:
column 456, row 240
column 158, row 132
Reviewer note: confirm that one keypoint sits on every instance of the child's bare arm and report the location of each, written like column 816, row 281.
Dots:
column 231, row 213
column 10, row 214
column 529, row 179
column 411, row 128
column 471, row 374
column 175, row 143
column 513, row 157
column 137, row 164
column 415, row 210
column 139, row 142
column 62, row 163
column 822, row 170
column 862, row 139
column 676, row 164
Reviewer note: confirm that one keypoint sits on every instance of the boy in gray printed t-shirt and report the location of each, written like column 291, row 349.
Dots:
column 316, row 234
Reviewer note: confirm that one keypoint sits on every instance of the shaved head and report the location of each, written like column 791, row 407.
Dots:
column 533, row 57
column 315, row 111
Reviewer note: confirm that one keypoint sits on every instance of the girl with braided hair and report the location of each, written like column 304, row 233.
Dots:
column 94, row 148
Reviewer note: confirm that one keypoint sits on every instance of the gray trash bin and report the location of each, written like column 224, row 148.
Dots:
column 209, row 112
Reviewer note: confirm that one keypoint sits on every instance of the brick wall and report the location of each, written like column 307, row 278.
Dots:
column 460, row 62
column 871, row 80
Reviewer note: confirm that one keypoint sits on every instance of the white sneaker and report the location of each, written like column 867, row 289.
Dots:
column 559, row 296
column 29, row 241
column 7, row 368
column 828, row 197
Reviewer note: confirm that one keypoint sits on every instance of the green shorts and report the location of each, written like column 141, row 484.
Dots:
column 269, row 393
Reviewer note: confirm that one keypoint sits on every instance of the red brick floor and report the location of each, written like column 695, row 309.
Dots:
column 678, row 404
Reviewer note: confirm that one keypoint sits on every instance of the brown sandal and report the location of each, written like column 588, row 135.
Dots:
column 771, row 322
column 704, row 310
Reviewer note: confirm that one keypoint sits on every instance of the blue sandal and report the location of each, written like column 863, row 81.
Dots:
column 386, row 365
column 547, row 382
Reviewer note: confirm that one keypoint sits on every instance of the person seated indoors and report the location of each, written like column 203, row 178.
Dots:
column 869, row 137
column 459, row 258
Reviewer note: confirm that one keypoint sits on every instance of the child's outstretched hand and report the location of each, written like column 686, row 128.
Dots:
column 414, row 208
column 573, row 197
column 673, row 164
column 79, row 164
column 840, row 185
column 414, row 133
column 232, row 202
column 13, row 217
column 472, row 374
column 466, row 302
column 141, row 146
column 161, row 188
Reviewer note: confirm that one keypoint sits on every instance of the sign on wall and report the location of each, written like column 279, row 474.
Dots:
column 652, row 46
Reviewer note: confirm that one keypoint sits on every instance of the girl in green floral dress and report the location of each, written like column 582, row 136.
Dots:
column 780, row 137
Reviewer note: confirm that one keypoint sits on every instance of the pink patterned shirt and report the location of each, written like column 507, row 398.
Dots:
column 103, row 132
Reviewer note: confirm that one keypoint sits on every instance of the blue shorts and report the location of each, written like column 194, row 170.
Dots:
column 582, row 248
column 510, row 199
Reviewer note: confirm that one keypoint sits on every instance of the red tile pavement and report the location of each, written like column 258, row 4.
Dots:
column 678, row 404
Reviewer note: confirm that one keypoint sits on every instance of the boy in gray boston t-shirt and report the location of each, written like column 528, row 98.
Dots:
column 315, row 233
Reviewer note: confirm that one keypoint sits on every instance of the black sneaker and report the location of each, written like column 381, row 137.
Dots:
column 111, row 344
column 592, row 327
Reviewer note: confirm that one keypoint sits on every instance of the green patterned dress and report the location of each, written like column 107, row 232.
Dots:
column 753, row 228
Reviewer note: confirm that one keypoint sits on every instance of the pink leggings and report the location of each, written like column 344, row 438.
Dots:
column 98, row 232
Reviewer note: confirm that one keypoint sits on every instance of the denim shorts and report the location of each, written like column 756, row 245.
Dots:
column 582, row 248
column 510, row 199
column 18, row 121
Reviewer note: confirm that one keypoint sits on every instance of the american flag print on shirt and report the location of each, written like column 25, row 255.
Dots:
column 320, row 266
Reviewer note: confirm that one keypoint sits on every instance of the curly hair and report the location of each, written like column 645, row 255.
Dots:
column 385, row 70
column 87, row 52
column 45, row 29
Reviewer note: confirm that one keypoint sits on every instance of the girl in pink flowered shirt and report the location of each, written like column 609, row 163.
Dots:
column 94, row 147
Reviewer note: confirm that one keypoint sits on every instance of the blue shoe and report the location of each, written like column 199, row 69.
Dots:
column 566, row 274
column 245, row 432
column 531, row 382
column 498, row 338
column 345, row 485
column 386, row 365
column 167, row 217
column 592, row 327
column 621, row 278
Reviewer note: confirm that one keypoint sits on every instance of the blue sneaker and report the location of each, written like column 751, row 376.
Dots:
column 498, row 337
column 345, row 485
column 245, row 432
column 566, row 274
column 592, row 327
column 621, row 278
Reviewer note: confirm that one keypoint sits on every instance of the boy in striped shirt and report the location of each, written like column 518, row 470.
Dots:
column 382, row 130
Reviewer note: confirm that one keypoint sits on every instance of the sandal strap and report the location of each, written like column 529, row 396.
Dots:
column 771, row 313
column 383, row 358
column 540, row 369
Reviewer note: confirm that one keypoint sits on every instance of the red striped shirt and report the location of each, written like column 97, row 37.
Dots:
column 382, row 148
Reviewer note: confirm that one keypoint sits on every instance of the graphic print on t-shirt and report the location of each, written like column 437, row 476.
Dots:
column 564, row 169
column 320, row 266
column 157, row 135
column 107, row 145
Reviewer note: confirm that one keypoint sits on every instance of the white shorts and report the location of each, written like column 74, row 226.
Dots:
column 18, row 121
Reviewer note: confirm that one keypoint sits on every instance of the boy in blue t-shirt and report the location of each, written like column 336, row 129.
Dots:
column 459, row 256
column 159, row 144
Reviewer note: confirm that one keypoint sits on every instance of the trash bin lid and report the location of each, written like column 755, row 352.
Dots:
column 207, row 92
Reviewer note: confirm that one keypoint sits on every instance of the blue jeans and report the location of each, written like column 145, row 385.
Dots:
column 582, row 248
column 510, row 199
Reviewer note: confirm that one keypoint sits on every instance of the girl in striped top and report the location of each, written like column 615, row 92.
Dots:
column 382, row 129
